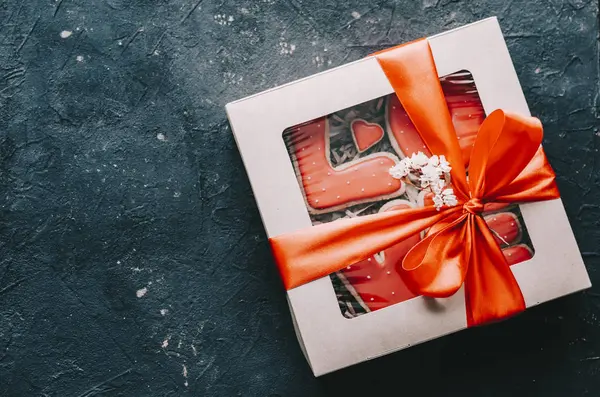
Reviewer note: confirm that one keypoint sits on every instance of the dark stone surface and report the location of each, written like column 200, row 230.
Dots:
column 133, row 261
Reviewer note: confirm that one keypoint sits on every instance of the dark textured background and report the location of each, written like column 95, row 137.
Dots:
column 133, row 261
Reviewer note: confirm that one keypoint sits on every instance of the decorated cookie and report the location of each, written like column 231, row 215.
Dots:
column 517, row 254
column 505, row 226
column 375, row 280
column 365, row 135
column 327, row 188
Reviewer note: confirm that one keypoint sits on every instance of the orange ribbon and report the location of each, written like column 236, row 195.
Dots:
column 507, row 164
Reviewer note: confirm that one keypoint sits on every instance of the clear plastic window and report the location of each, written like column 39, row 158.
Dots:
column 342, row 162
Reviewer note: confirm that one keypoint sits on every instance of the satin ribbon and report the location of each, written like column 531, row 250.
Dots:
column 507, row 164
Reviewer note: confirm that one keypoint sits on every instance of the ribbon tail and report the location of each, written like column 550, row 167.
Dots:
column 491, row 290
column 314, row 252
column 437, row 265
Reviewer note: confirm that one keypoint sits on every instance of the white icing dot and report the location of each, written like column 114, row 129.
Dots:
column 318, row 148
column 393, row 107
column 372, row 299
column 470, row 115
column 316, row 201
column 512, row 223
column 373, row 174
column 393, row 293
column 388, row 272
column 314, row 163
column 323, row 189
column 308, row 177
column 423, row 146
column 369, row 277
column 402, row 131
column 348, row 267
column 329, row 173
column 381, row 162
column 509, row 254
column 407, row 149
column 389, row 183
column 362, row 190
column 505, row 237
column 369, row 259
column 494, row 219
column 458, row 137
column 302, row 149
column 347, row 182
column 318, row 125
column 338, row 196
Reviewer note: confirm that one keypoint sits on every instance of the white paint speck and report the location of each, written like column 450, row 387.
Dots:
column 65, row 34
column 194, row 350
column 79, row 58
column 244, row 11
column 286, row 48
column 165, row 343
column 185, row 375
column 223, row 19
column 355, row 14
column 161, row 137
column 164, row 312
column 538, row 70
column 176, row 194
column 141, row 292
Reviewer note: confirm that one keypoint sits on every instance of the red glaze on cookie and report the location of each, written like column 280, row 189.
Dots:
column 375, row 279
column 403, row 135
column 517, row 254
column 505, row 227
column 365, row 134
column 326, row 187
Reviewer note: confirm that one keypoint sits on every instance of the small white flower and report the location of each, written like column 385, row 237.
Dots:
column 430, row 173
column 444, row 164
column 449, row 197
column 401, row 169
column 434, row 161
column 438, row 201
column 419, row 159
column 437, row 186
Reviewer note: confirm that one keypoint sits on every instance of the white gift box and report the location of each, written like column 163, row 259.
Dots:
column 329, row 340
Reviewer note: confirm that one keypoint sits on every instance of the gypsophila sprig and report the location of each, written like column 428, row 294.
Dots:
column 431, row 173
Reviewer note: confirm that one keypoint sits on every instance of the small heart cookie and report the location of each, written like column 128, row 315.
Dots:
column 365, row 134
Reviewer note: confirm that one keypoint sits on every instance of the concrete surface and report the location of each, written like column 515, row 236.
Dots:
column 132, row 257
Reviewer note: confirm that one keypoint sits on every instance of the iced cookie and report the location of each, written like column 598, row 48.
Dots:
column 375, row 279
column 365, row 135
column 329, row 188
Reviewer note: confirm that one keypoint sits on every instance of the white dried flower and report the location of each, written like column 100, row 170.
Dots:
column 434, row 161
column 438, row 201
column 419, row 159
column 449, row 197
column 433, row 173
column 401, row 169
column 437, row 186
column 444, row 164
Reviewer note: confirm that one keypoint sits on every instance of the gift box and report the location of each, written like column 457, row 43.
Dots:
column 406, row 196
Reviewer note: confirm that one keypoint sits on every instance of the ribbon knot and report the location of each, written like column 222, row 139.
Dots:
column 473, row 206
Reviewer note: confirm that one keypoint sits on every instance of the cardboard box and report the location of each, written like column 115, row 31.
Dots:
column 329, row 339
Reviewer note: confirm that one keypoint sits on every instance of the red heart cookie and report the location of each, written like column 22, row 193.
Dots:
column 365, row 134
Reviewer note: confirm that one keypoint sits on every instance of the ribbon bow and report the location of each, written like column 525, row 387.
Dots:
column 507, row 164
